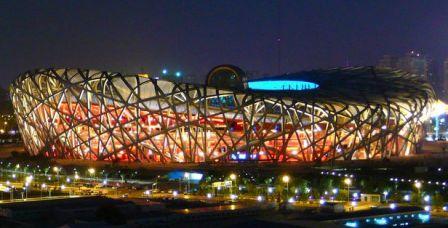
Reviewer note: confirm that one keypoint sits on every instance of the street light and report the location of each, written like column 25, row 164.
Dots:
column 348, row 182
column 12, row 192
column 63, row 187
column 385, row 193
column 91, row 172
column 28, row 179
column 42, row 187
column 76, row 178
column 187, row 176
column 392, row 206
column 57, row 170
column 406, row 198
column 286, row 180
column 335, row 191
column 418, row 185
column 26, row 190
column 232, row 178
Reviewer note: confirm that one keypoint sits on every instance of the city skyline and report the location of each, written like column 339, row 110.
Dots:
column 192, row 37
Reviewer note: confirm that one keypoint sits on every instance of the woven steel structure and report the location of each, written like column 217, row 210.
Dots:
column 354, row 113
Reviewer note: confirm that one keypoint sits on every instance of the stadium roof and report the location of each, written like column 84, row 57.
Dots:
column 360, row 84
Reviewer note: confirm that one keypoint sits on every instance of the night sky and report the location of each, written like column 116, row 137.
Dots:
column 193, row 36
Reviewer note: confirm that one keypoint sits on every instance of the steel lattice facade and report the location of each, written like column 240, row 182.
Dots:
column 356, row 113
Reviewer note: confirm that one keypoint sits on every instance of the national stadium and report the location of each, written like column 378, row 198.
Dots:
column 353, row 113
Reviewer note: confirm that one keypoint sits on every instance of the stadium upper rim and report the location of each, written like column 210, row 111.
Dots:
column 371, row 85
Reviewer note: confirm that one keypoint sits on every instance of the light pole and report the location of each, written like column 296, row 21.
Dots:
column 76, row 178
column 152, row 186
column 147, row 193
column 385, row 193
column 63, row 188
column 42, row 187
column 418, row 185
column 335, row 191
column 232, row 178
column 348, row 182
column 187, row 176
column 286, row 180
column 68, row 180
column 26, row 190
column 91, row 172
column 15, row 171
column 12, row 193
column 28, row 180
column 8, row 189
column 57, row 170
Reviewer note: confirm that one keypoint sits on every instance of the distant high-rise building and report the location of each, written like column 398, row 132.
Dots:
column 436, row 79
column 415, row 63
column 412, row 62
column 445, row 79
column 422, row 66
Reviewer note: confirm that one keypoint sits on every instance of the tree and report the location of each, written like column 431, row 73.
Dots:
column 5, row 103
column 438, row 199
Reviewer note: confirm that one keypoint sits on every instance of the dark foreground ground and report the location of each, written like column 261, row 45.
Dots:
column 106, row 212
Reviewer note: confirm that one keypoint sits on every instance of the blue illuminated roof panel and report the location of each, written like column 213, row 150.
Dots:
column 275, row 85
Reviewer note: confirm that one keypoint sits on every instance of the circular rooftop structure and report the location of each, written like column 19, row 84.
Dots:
column 281, row 85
